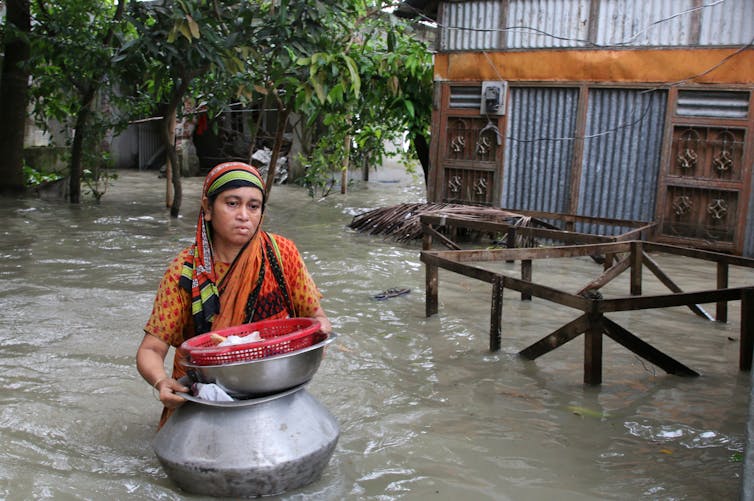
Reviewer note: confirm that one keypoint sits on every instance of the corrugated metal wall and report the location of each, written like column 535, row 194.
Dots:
column 546, row 23
column 538, row 149
column 527, row 24
column 622, row 151
column 473, row 26
column 728, row 23
column 647, row 23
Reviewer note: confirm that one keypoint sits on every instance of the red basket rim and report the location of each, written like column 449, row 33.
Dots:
column 309, row 327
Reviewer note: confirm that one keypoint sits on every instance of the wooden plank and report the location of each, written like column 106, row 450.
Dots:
column 721, row 311
column 645, row 232
column 699, row 254
column 609, row 274
column 648, row 352
column 442, row 238
column 526, row 275
column 670, row 284
column 636, row 268
column 556, row 338
column 549, row 293
column 666, row 301
column 483, row 255
column 593, row 349
column 461, row 268
column 569, row 217
column 496, row 313
column 747, row 329
column 504, row 227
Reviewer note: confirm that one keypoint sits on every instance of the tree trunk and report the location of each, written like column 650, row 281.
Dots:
column 13, row 98
column 422, row 152
column 80, row 132
column 257, row 127
column 172, row 160
column 283, row 121
column 77, row 152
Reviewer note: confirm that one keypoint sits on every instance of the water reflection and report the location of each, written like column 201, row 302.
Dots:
column 426, row 411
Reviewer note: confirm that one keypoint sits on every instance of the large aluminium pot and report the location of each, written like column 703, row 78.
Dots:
column 247, row 448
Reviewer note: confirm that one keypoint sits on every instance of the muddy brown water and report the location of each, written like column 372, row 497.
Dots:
column 426, row 411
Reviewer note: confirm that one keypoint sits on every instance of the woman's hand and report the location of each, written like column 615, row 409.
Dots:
column 324, row 322
column 166, row 392
column 150, row 361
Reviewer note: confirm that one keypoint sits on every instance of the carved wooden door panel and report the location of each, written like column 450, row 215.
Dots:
column 470, row 152
column 706, row 183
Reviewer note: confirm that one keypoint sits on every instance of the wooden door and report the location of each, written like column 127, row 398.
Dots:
column 470, row 150
column 706, row 177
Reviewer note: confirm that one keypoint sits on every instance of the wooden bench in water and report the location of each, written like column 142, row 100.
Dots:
column 620, row 256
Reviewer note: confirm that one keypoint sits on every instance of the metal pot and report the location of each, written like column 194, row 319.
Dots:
column 247, row 448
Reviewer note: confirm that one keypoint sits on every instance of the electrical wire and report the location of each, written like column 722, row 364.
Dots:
column 581, row 42
column 646, row 109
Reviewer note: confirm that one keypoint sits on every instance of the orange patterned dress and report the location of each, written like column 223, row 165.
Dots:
column 171, row 318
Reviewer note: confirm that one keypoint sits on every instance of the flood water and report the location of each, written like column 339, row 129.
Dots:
column 425, row 410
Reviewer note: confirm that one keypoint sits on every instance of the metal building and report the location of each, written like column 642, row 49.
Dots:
column 612, row 108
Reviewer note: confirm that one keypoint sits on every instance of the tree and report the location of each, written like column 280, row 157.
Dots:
column 177, row 43
column 13, row 95
column 375, row 91
column 73, row 53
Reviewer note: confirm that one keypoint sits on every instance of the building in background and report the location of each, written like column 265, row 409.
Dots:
column 609, row 108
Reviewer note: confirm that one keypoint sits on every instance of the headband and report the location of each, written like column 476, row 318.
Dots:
column 231, row 175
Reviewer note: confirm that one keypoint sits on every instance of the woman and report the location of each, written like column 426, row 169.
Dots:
column 234, row 273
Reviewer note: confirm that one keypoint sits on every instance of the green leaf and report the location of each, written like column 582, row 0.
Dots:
column 184, row 29
column 355, row 78
column 193, row 26
column 409, row 108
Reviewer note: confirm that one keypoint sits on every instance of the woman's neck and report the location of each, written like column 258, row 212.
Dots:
column 224, row 253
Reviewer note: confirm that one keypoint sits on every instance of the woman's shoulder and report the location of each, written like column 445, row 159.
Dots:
column 286, row 246
column 176, row 264
column 281, row 241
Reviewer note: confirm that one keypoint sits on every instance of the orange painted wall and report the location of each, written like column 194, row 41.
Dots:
column 622, row 66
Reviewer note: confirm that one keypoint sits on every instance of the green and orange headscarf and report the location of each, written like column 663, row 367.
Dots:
column 214, row 305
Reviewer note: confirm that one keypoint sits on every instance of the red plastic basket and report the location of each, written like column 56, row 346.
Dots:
column 278, row 337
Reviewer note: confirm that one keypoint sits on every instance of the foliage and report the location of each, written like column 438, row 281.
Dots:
column 72, row 46
column 355, row 74
column 34, row 177
column 376, row 92
column 99, row 172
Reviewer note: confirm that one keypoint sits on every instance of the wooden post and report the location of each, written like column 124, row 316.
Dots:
column 526, row 274
column 593, row 350
column 496, row 312
column 431, row 287
column 747, row 329
column 636, row 268
column 721, row 312
column 510, row 240
column 426, row 236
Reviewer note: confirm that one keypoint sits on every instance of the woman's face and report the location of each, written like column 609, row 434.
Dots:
column 234, row 215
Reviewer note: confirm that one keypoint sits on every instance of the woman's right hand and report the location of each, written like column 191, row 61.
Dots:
column 166, row 392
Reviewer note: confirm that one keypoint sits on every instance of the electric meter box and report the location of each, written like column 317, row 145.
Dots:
column 493, row 98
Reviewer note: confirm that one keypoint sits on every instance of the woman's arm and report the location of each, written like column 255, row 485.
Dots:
column 150, row 361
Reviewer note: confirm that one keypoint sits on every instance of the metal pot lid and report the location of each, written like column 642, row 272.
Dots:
column 186, row 381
